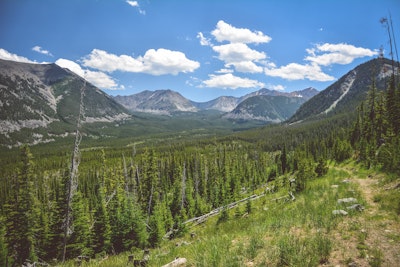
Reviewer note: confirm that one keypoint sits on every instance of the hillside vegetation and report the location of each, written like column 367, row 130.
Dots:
column 275, row 230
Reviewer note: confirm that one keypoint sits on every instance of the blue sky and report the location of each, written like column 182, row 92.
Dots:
column 202, row 49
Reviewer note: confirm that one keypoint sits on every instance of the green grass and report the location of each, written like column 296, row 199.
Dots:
column 274, row 233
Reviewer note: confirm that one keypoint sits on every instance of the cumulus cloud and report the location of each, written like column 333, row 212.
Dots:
column 230, row 81
column 319, row 56
column 246, row 66
column 136, row 4
column 237, row 52
column 224, row 71
column 203, row 40
column 295, row 71
column 133, row 3
column 97, row 78
column 102, row 80
column 41, row 51
column 154, row 62
column 4, row 54
column 328, row 54
column 226, row 32
column 277, row 87
column 71, row 65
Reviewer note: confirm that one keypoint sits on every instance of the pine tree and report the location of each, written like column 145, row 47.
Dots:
column 321, row 168
column 156, row 225
column 79, row 241
column 392, row 106
column 56, row 217
column 3, row 246
column 101, row 228
column 134, row 231
column 283, row 160
column 19, row 220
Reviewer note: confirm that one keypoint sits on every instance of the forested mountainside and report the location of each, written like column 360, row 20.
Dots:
column 127, row 198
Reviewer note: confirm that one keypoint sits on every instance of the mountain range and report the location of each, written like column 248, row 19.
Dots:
column 167, row 102
column 40, row 102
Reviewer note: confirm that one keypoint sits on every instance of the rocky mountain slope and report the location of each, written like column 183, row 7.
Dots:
column 157, row 102
column 267, row 108
column 346, row 94
column 41, row 101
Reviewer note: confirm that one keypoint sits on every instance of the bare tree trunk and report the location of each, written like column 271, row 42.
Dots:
column 73, row 178
column 149, row 206
column 183, row 187
column 125, row 174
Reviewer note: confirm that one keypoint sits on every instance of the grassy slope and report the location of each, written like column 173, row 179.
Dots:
column 299, row 233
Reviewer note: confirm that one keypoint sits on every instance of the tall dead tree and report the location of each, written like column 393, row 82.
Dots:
column 183, row 196
column 72, row 184
column 388, row 24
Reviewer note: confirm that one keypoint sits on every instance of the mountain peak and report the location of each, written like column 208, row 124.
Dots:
column 163, row 101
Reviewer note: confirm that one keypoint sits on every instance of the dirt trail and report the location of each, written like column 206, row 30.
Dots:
column 371, row 238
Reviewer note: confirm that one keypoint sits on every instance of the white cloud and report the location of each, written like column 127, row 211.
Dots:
column 230, row 81
column 133, row 3
column 203, row 40
column 4, row 54
column 328, row 54
column 41, row 51
column 97, row 78
column 237, row 52
column 136, row 4
column 102, row 80
column 154, row 62
column 240, row 56
column 224, row 71
column 71, row 65
column 102, row 60
column 295, row 71
column 226, row 32
column 320, row 55
column 246, row 66
column 164, row 61
column 277, row 87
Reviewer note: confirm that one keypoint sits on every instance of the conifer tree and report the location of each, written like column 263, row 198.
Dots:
column 3, row 246
column 156, row 225
column 56, row 217
column 101, row 229
column 79, row 241
column 19, row 220
column 283, row 160
column 134, row 227
column 392, row 106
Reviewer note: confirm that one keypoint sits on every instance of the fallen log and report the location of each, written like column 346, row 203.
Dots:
column 176, row 263
column 203, row 218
